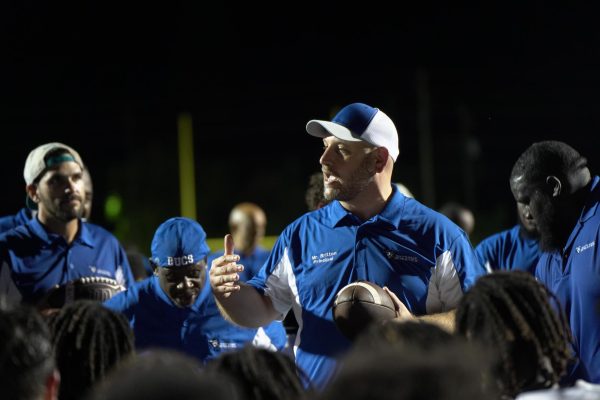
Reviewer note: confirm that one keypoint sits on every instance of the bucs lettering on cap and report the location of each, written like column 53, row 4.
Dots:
column 180, row 261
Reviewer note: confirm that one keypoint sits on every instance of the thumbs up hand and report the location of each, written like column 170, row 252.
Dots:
column 224, row 271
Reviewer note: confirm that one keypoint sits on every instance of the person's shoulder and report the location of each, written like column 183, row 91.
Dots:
column 7, row 223
column 19, row 235
column 498, row 237
column 97, row 232
column 96, row 229
column 310, row 218
column 425, row 219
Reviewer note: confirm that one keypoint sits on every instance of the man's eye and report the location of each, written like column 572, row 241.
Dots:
column 195, row 275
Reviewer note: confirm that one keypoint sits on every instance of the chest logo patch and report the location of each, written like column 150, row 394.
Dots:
column 579, row 249
column 392, row 255
column 323, row 257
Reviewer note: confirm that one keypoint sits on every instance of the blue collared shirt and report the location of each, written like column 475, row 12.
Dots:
column 573, row 274
column 508, row 250
column 199, row 331
column 416, row 252
column 38, row 260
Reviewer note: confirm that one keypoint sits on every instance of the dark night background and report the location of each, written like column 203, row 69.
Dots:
column 110, row 79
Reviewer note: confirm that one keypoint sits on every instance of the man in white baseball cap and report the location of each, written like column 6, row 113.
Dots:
column 368, row 231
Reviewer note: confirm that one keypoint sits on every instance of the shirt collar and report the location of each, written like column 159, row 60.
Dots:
column 83, row 235
column 390, row 216
column 591, row 206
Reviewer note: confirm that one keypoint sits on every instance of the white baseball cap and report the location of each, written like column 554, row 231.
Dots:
column 37, row 161
column 359, row 122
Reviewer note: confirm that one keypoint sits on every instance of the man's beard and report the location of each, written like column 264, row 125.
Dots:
column 351, row 187
column 554, row 231
column 57, row 211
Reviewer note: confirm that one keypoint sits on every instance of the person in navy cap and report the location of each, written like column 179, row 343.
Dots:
column 175, row 308
column 368, row 231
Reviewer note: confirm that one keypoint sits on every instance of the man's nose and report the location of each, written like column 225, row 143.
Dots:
column 185, row 284
column 325, row 157
column 70, row 187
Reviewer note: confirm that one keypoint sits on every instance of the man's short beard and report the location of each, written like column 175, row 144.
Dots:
column 553, row 230
column 67, row 216
column 352, row 186
column 63, row 215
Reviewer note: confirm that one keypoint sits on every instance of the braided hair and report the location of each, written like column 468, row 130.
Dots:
column 261, row 374
column 510, row 311
column 89, row 339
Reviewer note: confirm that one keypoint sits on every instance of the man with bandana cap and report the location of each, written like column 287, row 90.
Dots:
column 56, row 250
column 175, row 308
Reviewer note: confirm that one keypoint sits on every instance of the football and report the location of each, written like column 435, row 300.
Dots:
column 360, row 304
column 90, row 288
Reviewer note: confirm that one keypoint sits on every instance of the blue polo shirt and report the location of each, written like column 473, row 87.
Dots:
column 418, row 253
column 38, row 259
column 573, row 274
column 12, row 221
column 252, row 264
column 199, row 331
column 508, row 250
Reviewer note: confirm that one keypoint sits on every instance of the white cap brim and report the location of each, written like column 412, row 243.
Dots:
column 323, row 129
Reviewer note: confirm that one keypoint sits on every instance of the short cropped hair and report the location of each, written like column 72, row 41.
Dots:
column 262, row 374
column 158, row 374
column 547, row 158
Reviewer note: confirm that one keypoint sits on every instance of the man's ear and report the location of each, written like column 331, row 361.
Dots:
column 381, row 157
column 554, row 184
column 31, row 191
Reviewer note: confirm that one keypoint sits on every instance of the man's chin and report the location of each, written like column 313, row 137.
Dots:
column 550, row 243
column 185, row 302
column 71, row 213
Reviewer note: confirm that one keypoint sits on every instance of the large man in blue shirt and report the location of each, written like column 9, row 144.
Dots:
column 369, row 231
column 175, row 307
column 515, row 248
column 553, row 181
column 56, row 247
